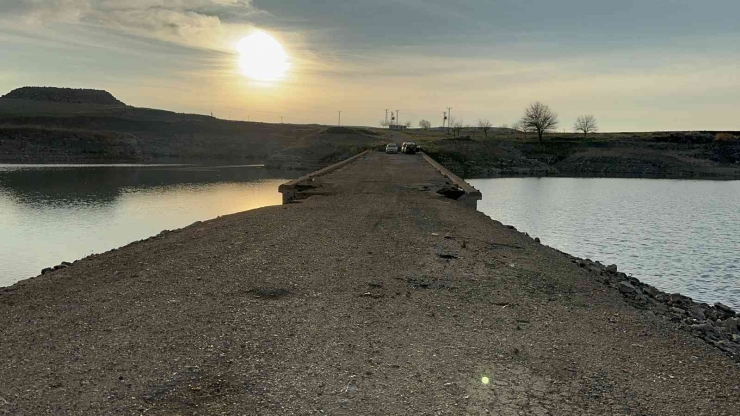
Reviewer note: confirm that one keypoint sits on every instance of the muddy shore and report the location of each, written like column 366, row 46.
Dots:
column 375, row 295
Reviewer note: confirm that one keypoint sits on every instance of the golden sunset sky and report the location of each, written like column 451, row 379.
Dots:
column 635, row 65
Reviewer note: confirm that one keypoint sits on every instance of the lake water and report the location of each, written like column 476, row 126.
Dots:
column 680, row 236
column 55, row 213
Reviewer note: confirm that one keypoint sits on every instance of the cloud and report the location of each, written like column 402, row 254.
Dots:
column 203, row 23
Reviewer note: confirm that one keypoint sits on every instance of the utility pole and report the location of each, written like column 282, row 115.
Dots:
column 386, row 117
column 449, row 118
column 444, row 119
column 398, row 117
column 281, row 119
column 339, row 123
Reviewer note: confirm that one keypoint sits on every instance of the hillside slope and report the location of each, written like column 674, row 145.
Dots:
column 44, row 131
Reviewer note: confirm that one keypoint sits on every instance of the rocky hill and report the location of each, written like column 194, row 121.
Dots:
column 64, row 95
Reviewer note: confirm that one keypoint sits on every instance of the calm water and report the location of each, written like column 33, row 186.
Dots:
column 680, row 236
column 55, row 213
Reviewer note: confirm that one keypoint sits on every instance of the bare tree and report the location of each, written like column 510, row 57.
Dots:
column 425, row 124
column 407, row 124
column 457, row 127
column 383, row 123
column 538, row 117
column 485, row 125
column 520, row 127
column 586, row 124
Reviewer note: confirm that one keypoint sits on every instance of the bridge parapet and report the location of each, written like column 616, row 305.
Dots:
column 375, row 173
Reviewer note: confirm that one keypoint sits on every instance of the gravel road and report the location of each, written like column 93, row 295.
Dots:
column 374, row 296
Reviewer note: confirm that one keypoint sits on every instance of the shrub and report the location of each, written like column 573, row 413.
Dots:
column 724, row 137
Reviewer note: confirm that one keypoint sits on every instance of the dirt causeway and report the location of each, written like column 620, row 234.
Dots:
column 374, row 296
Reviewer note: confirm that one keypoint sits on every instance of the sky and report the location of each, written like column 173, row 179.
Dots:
column 636, row 65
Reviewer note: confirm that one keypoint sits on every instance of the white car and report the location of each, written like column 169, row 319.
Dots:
column 391, row 148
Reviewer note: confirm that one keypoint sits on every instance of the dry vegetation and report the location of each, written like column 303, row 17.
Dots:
column 44, row 131
column 506, row 152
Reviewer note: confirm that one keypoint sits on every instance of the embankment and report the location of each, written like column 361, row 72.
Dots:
column 376, row 295
column 680, row 155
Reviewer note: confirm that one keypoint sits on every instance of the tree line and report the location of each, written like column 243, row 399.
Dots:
column 538, row 118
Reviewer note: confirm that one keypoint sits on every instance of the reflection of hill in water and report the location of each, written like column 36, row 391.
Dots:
column 60, row 186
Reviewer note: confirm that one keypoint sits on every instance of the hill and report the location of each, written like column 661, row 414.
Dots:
column 64, row 95
column 34, row 131
column 42, row 131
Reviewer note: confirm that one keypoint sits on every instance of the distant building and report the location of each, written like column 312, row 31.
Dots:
column 397, row 127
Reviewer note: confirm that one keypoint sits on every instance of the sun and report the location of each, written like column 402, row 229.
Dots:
column 262, row 58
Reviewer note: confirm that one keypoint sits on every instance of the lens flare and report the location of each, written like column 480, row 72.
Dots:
column 485, row 380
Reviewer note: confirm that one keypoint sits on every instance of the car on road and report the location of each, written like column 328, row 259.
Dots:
column 408, row 148
column 391, row 148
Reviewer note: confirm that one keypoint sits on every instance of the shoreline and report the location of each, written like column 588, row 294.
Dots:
column 717, row 325
column 641, row 295
column 707, row 322
column 308, row 167
column 374, row 295
column 627, row 176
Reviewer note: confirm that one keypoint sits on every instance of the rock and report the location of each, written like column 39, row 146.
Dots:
column 659, row 308
column 650, row 291
column 677, row 299
column 730, row 325
column 537, row 240
column 706, row 331
column 594, row 268
column 642, row 301
column 724, row 309
column 710, row 312
column 724, row 346
column 612, row 268
column 451, row 191
column 66, row 263
column 626, row 288
column 696, row 312
column 678, row 311
column 47, row 270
